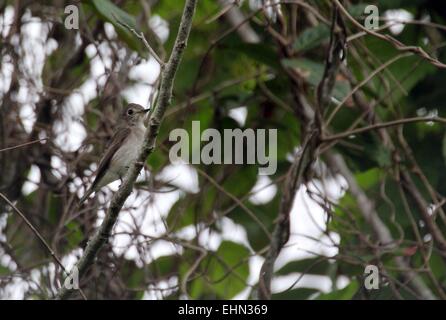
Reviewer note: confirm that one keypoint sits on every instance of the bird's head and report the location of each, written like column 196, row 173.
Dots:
column 135, row 114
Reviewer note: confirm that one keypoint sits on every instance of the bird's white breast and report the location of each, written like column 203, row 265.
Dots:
column 128, row 152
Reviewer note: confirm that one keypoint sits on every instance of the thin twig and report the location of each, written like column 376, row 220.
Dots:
column 382, row 125
column 397, row 44
column 142, row 38
column 23, row 144
column 365, row 81
column 40, row 237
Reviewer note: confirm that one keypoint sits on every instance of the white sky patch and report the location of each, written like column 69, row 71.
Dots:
column 5, row 259
column 28, row 116
column 6, row 70
column 33, row 180
column 282, row 283
column 395, row 16
column 34, row 34
column 15, row 289
column 160, row 27
column 149, row 223
column 100, row 61
column 70, row 259
column 264, row 191
column 156, row 292
column 138, row 93
column 110, row 30
column 69, row 135
column 181, row 175
column 239, row 115
column 146, row 71
column 209, row 240
column 51, row 46
column 6, row 20
column 255, row 263
column 144, row 76
column 234, row 232
column 59, row 167
column 308, row 223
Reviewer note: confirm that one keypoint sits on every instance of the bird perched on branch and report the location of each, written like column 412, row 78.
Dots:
column 123, row 148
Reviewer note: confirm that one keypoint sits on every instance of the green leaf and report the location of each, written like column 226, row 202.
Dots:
column 357, row 10
column 111, row 13
column 313, row 72
column 75, row 235
column 240, row 187
column 319, row 266
column 443, row 149
column 312, row 37
column 164, row 266
column 368, row 178
column 344, row 294
column 382, row 156
column 132, row 274
column 227, row 272
column 182, row 214
column 192, row 209
column 295, row 294
column 262, row 53
column 4, row 271
column 157, row 160
column 266, row 213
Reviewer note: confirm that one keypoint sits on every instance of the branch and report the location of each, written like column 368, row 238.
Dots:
column 364, row 82
column 383, row 234
column 165, row 94
column 34, row 230
column 141, row 37
column 437, row 234
column 281, row 231
column 235, row 17
column 335, row 55
column 397, row 44
column 38, row 235
column 23, row 144
column 301, row 170
column 381, row 126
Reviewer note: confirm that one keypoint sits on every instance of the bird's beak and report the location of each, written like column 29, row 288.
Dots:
column 146, row 116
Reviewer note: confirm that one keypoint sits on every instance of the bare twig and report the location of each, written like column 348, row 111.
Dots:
column 397, row 44
column 35, row 231
column 23, row 144
column 301, row 170
column 281, row 231
column 39, row 236
column 365, row 81
column 382, row 125
column 141, row 37
column 367, row 210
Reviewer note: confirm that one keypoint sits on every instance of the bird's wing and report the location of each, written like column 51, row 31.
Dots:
column 116, row 142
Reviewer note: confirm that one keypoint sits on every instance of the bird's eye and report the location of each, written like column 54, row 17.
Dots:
column 130, row 112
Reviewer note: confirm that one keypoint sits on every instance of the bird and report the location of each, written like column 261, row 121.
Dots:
column 123, row 148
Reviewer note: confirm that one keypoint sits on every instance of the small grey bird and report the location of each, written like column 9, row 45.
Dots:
column 123, row 149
